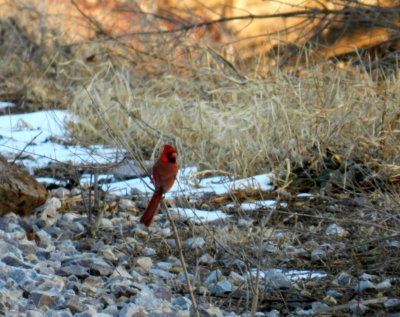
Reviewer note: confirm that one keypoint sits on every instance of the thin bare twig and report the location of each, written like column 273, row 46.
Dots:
column 182, row 259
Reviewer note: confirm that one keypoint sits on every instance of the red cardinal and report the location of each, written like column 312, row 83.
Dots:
column 164, row 174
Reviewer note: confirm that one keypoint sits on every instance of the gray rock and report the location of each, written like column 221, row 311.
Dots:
column 161, row 273
column 315, row 308
column 91, row 263
column 70, row 217
column 182, row 303
column 392, row 303
column 17, row 235
column 318, row 306
column 171, row 242
column 74, row 305
column 108, row 253
column 56, row 256
column 7, row 249
column 358, row 309
column 34, row 313
column 49, row 213
column 162, row 291
column 195, row 242
column 174, row 260
column 145, row 263
column 53, row 283
column 364, row 285
column 90, row 312
column 106, row 223
column 334, row 293
column 72, row 222
column 96, row 281
column 75, row 227
column 384, row 285
column 236, row 278
column 393, row 244
column 214, row 277
column 100, row 267
column 26, row 278
column 240, row 264
column 73, row 269
column 335, row 230
column 27, row 247
column 45, row 239
column 166, row 266
column 369, row 277
column 221, row 287
column 43, row 298
column 274, row 278
column 16, row 231
column 210, row 310
column 76, row 191
column 67, row 247
column 57, row 313
column 137, row 277
column 61, row 192
column 344, row 279
column 181, row 278
column 206, row 259
column 6, row 300
column 126, row 204
column 58, row 234
column 152, row 303
column 321, row 252
column 273, row 313
column 121, row 271
column 112, row 310
column 128, row 169
column 119, row 286
column 11, row 260
column 165, row 232
column 149, row 251
column 131, row 310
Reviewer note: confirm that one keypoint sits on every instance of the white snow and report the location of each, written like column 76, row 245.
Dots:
column 199, row 216
column 32, row 135
column 292, row 275
column 6, row 104
column 258, row 204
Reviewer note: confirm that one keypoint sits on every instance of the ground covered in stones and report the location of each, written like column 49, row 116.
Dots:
column 307, row 256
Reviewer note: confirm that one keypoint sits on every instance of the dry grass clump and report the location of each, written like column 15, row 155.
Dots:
column 218, row 118
column 39, row 69
column 245, row 128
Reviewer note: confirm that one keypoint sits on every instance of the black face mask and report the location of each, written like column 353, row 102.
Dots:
column 171, row 158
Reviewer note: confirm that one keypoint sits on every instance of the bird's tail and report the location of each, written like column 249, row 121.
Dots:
column 152, row 207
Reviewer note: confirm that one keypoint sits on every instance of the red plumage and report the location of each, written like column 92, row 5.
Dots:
column 164, row 174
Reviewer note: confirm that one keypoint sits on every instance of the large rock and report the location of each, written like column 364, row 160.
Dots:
column 19, row 192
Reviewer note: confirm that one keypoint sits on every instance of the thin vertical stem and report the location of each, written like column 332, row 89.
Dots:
column 182, row 259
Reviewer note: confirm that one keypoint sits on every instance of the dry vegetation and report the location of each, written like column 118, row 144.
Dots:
column 220, row 117
column 303, row 123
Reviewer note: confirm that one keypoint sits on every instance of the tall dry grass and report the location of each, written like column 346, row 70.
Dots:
column 180, row 91
column 246, row 128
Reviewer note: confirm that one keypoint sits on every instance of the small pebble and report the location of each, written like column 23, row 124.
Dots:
column 145, row 263
column 195, row 242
